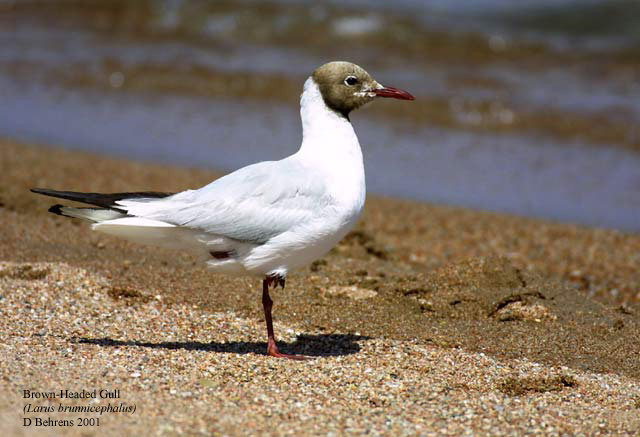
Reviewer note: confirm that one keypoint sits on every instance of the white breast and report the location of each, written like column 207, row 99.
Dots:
column 331, row 151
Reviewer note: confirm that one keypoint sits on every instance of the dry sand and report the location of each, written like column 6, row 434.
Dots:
column 426, row 320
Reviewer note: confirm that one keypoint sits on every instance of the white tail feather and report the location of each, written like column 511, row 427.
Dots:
column 153, row 232
column 94, row 215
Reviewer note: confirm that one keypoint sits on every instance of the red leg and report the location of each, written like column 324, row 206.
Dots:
column 267, row 303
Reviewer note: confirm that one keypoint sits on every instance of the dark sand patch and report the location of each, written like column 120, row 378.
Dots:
column 517, row 386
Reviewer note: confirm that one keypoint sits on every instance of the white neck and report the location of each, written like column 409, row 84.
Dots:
column 330, row 145
column 324, row 131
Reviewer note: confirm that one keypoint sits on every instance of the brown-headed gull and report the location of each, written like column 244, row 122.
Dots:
column 265, row 219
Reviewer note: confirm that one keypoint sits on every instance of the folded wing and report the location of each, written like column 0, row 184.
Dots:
column 253, row 204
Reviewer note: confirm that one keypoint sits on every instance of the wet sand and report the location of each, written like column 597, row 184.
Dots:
column 427, row 319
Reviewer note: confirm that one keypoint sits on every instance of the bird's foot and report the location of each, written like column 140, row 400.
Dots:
column 272, row 351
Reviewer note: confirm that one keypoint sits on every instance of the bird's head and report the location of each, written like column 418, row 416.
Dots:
column 346, row 86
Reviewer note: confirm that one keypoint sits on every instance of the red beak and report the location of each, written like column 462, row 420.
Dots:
column 393, row 93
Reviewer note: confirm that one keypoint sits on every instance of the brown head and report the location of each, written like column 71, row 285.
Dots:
column 345, row 86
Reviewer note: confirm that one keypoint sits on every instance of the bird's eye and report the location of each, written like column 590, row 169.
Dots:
column 351, row 80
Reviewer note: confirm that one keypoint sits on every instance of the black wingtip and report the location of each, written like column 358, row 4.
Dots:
column 56, row 209
column 102, row 200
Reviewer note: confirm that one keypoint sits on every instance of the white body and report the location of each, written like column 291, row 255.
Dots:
column 272, row 217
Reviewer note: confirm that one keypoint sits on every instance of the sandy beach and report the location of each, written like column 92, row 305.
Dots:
column 428, row 320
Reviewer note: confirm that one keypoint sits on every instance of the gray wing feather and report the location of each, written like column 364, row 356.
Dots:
column 253, row 204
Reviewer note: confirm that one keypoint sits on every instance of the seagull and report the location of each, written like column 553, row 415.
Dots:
column 269, row 218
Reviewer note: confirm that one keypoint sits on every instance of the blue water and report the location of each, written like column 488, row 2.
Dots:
column 534, row 177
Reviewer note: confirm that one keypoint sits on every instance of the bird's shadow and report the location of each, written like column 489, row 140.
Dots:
column 322, row 345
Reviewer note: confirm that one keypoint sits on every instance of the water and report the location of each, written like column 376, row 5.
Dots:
column 505, row 120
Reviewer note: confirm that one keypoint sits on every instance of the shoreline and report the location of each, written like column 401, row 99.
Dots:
column 217, row 172
column 602, row 259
